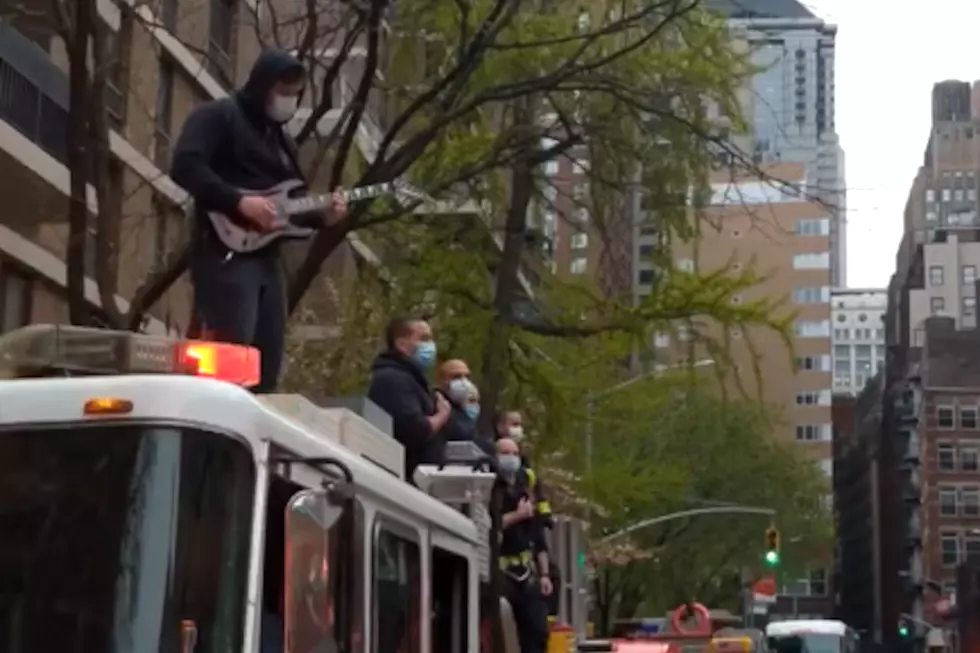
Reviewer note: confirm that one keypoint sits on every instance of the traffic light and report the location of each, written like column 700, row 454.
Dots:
column 903, row 628
column 772, row 547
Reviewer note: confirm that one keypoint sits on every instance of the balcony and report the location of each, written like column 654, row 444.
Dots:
column 33, row 144
column 33, row 93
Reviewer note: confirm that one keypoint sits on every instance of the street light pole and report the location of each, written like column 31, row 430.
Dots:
column 694, row 512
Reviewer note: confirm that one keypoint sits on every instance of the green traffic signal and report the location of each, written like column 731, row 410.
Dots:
column 903, row 630
column 772, row 558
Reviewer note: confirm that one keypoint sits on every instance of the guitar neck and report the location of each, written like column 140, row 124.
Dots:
column 312, row 203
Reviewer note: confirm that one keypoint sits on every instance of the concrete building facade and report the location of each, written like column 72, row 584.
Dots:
column 858, row 337
column 786, row 237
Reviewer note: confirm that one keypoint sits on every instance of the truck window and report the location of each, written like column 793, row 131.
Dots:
column 114, row 533
column 450, row 607
column 397, row 594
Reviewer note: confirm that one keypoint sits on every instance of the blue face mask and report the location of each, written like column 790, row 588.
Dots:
column 509, row 462
column 473, row 410
column 425, row 354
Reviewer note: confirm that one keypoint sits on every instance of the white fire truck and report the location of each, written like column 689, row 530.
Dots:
column 150, row 504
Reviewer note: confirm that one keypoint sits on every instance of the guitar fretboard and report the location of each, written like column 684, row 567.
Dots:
column 317, row 202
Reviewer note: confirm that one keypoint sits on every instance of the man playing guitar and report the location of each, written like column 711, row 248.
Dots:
column 226, row 145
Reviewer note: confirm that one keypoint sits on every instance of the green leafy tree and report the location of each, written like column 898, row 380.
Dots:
column 713, row 452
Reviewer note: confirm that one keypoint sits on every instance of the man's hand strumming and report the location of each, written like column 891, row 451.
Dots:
column 260, row 211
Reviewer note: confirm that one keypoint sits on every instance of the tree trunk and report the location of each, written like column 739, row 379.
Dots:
column 497, row 352
column 78, row 34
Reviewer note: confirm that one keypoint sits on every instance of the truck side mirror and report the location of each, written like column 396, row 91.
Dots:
column 310, row 515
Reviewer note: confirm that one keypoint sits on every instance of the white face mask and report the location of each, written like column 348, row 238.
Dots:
column 282, row 108
column 516, row 433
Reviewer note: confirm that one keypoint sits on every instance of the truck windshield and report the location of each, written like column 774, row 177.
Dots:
column 806, row 643
column 113, row 535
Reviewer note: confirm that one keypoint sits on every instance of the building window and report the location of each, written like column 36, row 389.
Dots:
column 949, row 544
column 812, row 329
column 812, row 295
column 971, row 549
column 685, row 264
column 578, row 265
column 168, row 15
column 930, row 195
column 969, row 306
column 969, row 460
column 814, row 261
column 969, row 274
column 813, row 398
column 970, row 502
column 945, row 417
column 813, row 432
column 812, row 227
column 551, row 168
column 16, row 290
column 813, row 363
column 644, row 277
column 936, row 275
column 221, row 41
column 968, row 418
column 117, row 74
column 946, row 455
column 579, row 241
column 164, row 114
column 947, row 501
column 937, row 305
column 661, row 340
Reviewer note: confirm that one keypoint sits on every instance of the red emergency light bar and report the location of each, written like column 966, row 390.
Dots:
column 45, row 350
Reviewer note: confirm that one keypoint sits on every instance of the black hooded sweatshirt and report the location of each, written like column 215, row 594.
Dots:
column 231, row 144
column 400, row 388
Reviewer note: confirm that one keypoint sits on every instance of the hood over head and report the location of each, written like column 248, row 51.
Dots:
column 271, row 67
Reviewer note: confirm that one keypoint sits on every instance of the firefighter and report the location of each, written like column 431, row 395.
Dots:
column 510, row 424
column 523, row 550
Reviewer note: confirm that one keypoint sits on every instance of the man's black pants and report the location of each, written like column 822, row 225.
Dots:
column 242, row 300
column 530, row 613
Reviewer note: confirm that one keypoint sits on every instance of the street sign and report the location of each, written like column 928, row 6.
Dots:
column 764, row 591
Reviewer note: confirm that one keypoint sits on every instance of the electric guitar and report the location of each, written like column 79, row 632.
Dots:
column 291, row 200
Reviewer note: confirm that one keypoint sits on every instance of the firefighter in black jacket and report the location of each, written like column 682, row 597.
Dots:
column 523, row 551
column 510, row 424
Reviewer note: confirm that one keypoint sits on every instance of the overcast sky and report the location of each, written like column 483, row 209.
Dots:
column 887, row 61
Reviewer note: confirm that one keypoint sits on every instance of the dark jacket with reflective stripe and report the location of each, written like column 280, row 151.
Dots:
column 526, row 536
column 542, row 505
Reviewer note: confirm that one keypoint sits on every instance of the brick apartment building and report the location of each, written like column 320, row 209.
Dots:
column 160, row 77
column 949, row 432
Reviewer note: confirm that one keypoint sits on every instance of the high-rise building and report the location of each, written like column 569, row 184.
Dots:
column 951, row 101
column 169, row 59
column 858, row 318
column 792, row 102
column 786, row 237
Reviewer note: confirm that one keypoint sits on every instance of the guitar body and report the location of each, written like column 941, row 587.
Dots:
column 242, row 239
column 291, row 199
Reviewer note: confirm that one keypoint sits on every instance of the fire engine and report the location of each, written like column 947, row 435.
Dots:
column 150, row 503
